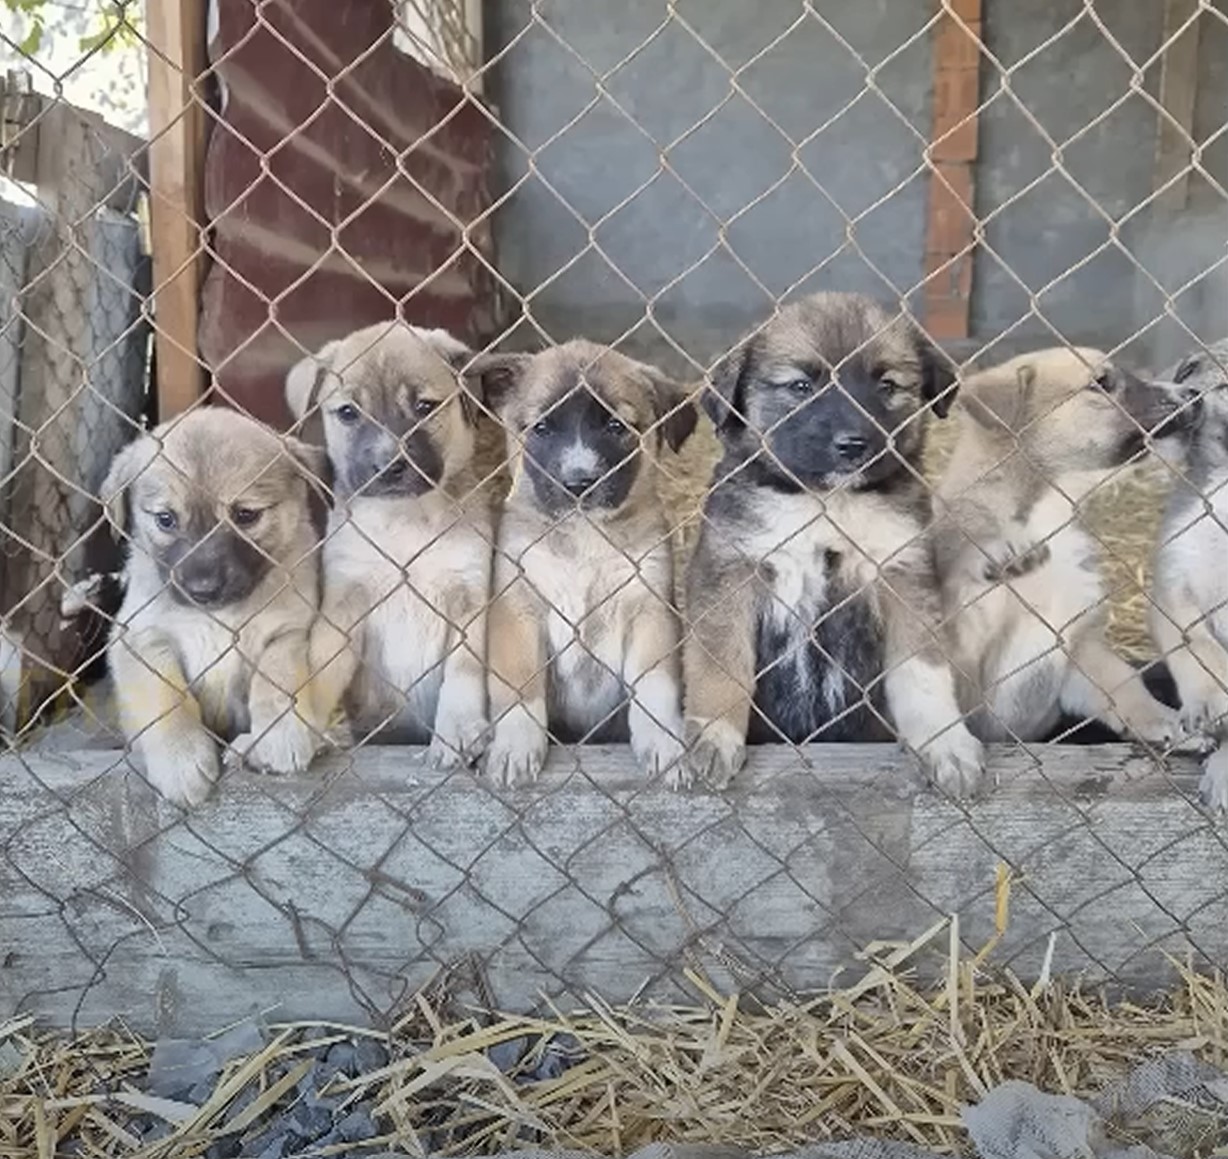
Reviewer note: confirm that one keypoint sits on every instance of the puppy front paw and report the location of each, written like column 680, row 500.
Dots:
column 955, row 762
column 518, row 749
column 1213, row 788
column 659, row 749
column 1205, row 713
column 1167, row 729
column 715, row 752
column 460, row 734
column 183, row 767
column 1010, row 559
column 284, row 747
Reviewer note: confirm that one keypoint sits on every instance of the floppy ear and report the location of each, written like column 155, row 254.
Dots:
column 316, row 466
column 125, row 467
column 496, row 377
column 676, row 413
column 1000, row 400
column 302, row 382
column 724, row 395
column 938, row 381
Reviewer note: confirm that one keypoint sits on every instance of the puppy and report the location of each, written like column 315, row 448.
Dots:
column 584, row 639
column 1022, row 583
column 221, row 587
column 400, row 642
column 1189, row 599
column 811, row 593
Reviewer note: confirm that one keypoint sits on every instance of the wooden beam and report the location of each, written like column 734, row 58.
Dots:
column 177, row 128
column 335, row 895
column 951, row 224
column 1178, row 93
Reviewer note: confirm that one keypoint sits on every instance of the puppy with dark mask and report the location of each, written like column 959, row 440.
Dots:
column 584, row 638
column 1189, row 597
column 811, row 596
column 1023, row 583
column 221, row 587
column 400, row 642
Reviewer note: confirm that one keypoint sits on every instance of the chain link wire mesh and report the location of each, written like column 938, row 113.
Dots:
column 530, row 188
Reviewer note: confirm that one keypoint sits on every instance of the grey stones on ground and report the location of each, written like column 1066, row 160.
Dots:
column 534, row 1060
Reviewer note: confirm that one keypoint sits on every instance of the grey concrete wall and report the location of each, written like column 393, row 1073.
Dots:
column 594, row 140
column 596, row 225
column 1049, row 228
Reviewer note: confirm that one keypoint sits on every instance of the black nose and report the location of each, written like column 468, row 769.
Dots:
column 578, row 484
column 851, row 447
column 202, row 588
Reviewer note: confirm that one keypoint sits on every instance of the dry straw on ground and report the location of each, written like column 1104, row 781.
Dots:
column 883, row 1055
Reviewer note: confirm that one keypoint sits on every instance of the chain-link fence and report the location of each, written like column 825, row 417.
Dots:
column 863, row 567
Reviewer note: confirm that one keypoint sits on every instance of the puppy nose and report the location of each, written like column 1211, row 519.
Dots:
column 203, row 589
column 577, row 482
column 850, row 447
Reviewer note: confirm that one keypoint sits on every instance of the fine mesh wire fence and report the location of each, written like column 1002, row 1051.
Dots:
column 341, row 641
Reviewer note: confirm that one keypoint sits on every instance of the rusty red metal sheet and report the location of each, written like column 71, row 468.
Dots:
column 330, row 203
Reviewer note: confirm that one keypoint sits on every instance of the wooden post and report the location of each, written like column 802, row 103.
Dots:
column 951, row 227
column 177, row 131
column 1178, row 91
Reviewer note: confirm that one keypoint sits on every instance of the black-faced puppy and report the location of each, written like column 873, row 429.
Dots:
column 811, row 594
column 221, row 588
column 584, row 639
column 1189, row 599
column 401, row 637
column 1023, row 586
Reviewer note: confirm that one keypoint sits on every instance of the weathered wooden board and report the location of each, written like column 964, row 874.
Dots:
column 339, row 893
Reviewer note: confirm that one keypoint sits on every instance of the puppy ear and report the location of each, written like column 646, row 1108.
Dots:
column 302, row 382
column 317, row 467
column 724, row 395
column 125, row 467
column 458, row 356
column 938, row 380
column 999, row 399
column 676, row 413
column 496, row 377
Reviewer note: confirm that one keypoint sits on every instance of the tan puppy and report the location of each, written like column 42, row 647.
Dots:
column 401, row 638
column 1022, row 583
column 812, row 598
column 1189, row 599
column 584, row 639
column 222, row 586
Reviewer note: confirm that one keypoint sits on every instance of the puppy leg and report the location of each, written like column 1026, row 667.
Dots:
column 334, row 645
column 920, row 689
column 1213, row 788
column 718, row 664
column 281, row 738
column 1101, row 685
column 651, row 675
column 460, row 726
column 517, row 687
column 1197, row 661
column 161, row 718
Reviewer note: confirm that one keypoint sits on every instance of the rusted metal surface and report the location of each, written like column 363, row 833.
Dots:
column 334, row 202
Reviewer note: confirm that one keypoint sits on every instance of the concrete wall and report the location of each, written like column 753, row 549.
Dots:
column 739, row 166
column 587, row 111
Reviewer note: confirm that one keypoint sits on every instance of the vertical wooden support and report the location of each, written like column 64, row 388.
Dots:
column 1178, row 92
column 951, row 225
column 177, row 130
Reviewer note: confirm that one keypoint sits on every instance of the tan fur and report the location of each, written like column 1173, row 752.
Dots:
column 185, row 675
column 401, row 637
column 583, row 619
column 1023, row 587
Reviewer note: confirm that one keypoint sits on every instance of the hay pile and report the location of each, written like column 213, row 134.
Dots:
column 884, row 1056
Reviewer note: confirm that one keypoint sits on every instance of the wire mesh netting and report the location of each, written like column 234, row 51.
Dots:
column 686, row 496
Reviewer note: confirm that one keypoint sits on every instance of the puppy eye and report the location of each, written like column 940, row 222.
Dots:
column 245, row 516
column 347, row 412
column 1103, row 381
column 541, row 427
column 1187, row 368
column 166, row 520
column 424, row 406
column 616, row 425
column 799, row 386
column 889, row 386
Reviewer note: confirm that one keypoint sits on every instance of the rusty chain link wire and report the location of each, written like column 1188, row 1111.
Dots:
column 484, row 170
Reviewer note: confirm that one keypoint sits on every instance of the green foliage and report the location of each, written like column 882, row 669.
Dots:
column 116, row 23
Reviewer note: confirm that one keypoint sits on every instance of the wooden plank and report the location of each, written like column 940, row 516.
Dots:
column 338, row 894
column 1178, row 92
column 175, row 32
